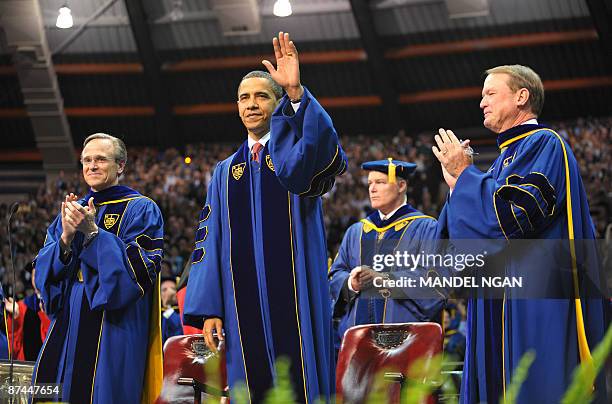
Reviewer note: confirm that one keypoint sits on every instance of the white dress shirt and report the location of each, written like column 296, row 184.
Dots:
column 263, row 141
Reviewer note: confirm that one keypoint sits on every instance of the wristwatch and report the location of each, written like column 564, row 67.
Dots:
column 65, row 252
column 89, row 237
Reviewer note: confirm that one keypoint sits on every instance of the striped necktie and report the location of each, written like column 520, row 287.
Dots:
column 255, row 151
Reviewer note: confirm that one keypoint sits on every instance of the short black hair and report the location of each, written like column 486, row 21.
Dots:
column 276, row 88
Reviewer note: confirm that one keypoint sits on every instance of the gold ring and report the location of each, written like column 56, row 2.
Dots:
column 444, row 152
column 289, row 53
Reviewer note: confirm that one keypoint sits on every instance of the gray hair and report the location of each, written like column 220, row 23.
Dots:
column 524, row 77
column 118, row 145
column 276, row 89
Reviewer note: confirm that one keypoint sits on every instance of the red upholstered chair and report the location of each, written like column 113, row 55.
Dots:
column 180, row 298
column 184, row 376
column 374, row 351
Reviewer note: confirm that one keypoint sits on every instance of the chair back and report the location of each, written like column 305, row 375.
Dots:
column 185, row 356
column 374, row 359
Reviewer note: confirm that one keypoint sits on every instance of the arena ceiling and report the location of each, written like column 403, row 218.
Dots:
column 165, row 71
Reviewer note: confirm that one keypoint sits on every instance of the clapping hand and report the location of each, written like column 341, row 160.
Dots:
column 451, row 153
column 76, row 217
column 68, row 228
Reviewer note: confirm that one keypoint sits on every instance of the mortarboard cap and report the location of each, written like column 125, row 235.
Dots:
column 392, row 168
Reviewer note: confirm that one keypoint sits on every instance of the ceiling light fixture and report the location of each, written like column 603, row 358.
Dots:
column 177, row 10
column 282, row 8
column 64, row 19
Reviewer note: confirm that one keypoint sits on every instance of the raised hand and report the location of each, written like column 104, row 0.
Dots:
column 83, row 218
column 68, row 227
column 452, row 155
column 287, row 71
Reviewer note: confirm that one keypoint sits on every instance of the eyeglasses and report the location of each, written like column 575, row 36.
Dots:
column 98, row 160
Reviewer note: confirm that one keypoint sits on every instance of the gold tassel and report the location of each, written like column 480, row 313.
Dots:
column 392, row 166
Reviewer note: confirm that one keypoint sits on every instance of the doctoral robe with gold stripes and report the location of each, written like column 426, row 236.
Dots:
column 260, row 261
column 104, row 342
column 409, row 231
column 533, row 190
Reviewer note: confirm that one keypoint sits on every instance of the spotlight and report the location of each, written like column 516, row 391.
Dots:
column 282, row 8
column 64, row 19
column 177, row 10
column 187, row 160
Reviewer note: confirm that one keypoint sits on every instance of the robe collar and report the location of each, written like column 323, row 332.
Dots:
column 382, row 215
column 374, row 217
column 114, row 193
column 515, row 133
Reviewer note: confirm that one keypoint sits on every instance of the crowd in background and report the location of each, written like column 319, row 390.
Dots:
column 591, row 142
column 179, row 189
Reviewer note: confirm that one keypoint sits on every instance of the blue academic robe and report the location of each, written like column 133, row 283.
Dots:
column 406, row 230
column 533, row 190
column 104, row 303
column 171, row 324
column 260, row 257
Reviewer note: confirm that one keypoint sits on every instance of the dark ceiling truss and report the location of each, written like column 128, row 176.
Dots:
column 416, row 59
column 39, row 94
column 379, row 70
column 423, row 70
column 151, row 64
column 601, row 13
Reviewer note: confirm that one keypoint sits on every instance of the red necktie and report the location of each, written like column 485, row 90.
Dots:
column 255, row 151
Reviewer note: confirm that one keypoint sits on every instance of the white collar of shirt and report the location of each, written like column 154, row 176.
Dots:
column 263, row 140
column 385, row 217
